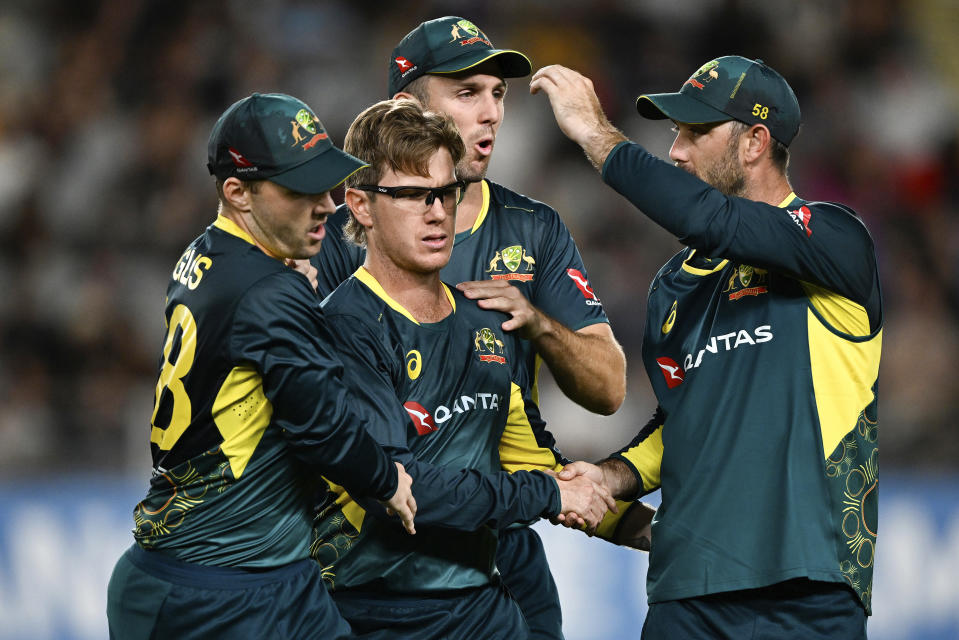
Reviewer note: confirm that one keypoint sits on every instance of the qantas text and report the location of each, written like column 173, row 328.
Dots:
column 728, row 342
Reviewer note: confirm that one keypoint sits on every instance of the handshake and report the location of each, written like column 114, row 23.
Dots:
column 588, row 494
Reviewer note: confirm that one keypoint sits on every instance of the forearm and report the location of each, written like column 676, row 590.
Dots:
column 466, row 499
column 600, row 141
column 620, row 479
column 589, row 366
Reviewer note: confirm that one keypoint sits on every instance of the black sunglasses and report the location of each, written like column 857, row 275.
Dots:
column 428, row 194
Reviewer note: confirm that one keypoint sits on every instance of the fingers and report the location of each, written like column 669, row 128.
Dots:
column 403, row 503
column 581, row 468
column 408, row 514
column 499, row 295
column 584, row 503
column 482, row 289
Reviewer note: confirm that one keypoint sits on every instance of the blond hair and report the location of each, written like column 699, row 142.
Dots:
column 397, row 135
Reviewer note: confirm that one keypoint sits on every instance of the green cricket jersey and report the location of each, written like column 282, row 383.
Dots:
column 454, row 386
column 250, row 411
column 514, row 238
column 762, row 344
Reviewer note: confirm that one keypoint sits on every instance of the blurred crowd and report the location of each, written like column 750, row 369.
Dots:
column 105, row 109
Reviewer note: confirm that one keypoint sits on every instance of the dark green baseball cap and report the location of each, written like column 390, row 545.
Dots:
column 276, row 137
column 730, row 88
column 448, row 45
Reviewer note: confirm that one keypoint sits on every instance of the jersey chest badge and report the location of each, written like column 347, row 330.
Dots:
column 518, row 264
column 488, row 347
column 740, row 281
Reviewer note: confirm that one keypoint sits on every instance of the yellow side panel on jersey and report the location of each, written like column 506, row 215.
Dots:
column 241, row 413
column 518, row 449
column 647, row 458
column 841, row 313
column 843, row 374
column 607, row 527
column 353, row 512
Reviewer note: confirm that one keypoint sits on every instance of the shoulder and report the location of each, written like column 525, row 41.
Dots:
column 511, row 201
column 352, row 298
column 835, row 216
column 469, row 310
column 224, row 268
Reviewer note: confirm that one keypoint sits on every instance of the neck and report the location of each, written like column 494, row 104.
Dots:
column 769, row 186
column 469, row 209
column 422, row 294
column 240, row 220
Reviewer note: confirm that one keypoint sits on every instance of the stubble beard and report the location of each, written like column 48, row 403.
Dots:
column 466, row 171
column 727, row 174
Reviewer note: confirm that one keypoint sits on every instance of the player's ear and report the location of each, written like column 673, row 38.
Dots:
column 402, row 95
column 755, row 143
column 236, row 194
column 359, row 204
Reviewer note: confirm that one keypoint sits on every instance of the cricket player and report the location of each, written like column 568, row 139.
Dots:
column 415, row 346
column 515, row 255
column 250, row 406
column 762, row 344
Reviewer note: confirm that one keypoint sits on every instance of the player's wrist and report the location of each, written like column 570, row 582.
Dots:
column 618, row 478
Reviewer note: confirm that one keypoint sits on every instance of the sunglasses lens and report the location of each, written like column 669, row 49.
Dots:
column 411, row 193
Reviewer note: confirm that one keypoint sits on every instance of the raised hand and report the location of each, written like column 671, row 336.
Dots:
column 577, row 111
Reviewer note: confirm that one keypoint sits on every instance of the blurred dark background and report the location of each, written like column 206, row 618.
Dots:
column 105, row 109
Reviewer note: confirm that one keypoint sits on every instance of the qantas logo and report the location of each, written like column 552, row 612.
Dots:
column 404, row 64
column 422, row 419
column 673, row 373
column 729, row 342
column 427, row 423
column 583, row 285
column 801, row 217
column 238, row 158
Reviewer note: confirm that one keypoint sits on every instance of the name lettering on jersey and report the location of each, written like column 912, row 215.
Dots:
column 670, row 318
column 729, row 342
column 583, row 285
column 190, row 268
column 513, row 258
column 738, row 285
column 426, row 422
column 802, row 217
column 488, row 347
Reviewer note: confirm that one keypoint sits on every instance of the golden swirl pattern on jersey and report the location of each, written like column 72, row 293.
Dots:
column 176, row 491
column 333, row 536
column 853, row 475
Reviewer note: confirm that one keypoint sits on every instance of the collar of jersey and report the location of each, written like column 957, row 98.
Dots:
column 224, row 223
column 705, row 272
column 367, row 278
column 480, row 217
column 785, row 203
column 696, row 271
